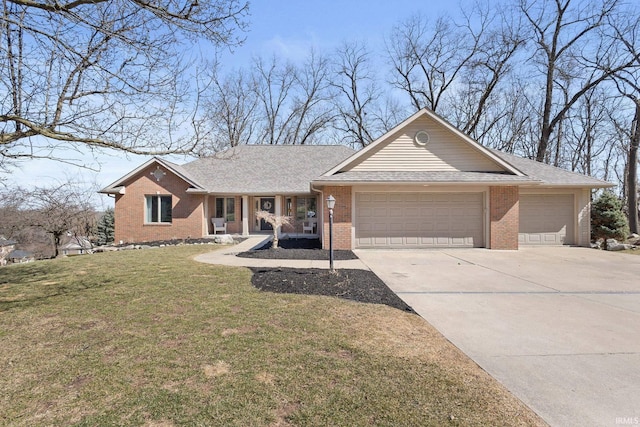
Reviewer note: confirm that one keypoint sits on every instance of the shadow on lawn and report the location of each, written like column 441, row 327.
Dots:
column 29, row 284
column 303, row 248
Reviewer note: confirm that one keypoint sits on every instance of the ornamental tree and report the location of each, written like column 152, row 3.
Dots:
column 276, row 221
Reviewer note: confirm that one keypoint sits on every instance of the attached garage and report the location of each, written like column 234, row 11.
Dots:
column 546, row 219
column 419, row 220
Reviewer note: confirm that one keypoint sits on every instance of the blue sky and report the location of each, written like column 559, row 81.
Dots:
column 286, row 28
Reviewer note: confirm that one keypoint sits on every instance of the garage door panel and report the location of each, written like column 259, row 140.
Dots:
column 546, row 219
column 419, row 220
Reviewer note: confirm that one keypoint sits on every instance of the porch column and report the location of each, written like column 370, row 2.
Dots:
column 245, row 215
column 205, row 230
column 279, row 211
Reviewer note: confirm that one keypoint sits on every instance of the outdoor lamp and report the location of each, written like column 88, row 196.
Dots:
column 331, row 202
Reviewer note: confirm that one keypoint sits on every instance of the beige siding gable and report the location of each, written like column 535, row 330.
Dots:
column 445, row 151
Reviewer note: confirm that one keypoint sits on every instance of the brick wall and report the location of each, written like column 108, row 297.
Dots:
column 504, row 217
column 187, row 213
column 341, row 218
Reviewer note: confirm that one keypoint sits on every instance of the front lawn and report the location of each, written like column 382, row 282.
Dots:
column 154, row 338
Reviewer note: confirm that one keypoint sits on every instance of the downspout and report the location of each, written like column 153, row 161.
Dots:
column 321, row 220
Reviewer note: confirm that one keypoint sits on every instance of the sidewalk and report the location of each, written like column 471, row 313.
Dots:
column 227, row 256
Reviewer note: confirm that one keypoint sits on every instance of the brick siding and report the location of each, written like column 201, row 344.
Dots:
column 187, row 212
column 341, row 218
column 504, row 217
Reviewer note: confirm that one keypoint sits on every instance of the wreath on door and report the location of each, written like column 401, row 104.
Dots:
column 266, row 205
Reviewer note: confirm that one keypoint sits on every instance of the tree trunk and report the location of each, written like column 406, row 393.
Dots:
column 632, row 171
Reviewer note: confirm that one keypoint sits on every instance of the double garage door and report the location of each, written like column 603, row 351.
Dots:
column 414, row 220
column 445, row 220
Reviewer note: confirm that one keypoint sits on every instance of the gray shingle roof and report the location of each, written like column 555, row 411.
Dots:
column 265, row 169
column 551, row 175
column 19, row 254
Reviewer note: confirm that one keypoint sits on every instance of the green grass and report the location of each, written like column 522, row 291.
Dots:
column 154, row 338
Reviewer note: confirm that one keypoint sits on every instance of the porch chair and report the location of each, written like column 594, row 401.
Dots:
column 219, row 224
column 308, row 226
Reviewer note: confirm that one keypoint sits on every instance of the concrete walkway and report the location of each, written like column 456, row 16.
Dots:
column 227, row 256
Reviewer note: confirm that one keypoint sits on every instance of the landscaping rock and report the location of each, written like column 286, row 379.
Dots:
column 619, row 246
column 224, row 239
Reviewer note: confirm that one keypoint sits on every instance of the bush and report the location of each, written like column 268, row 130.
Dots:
column 607, row 219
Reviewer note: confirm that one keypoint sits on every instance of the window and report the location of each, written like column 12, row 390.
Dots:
column 226, row 208
column 305, row 208
column 288, row 207
column 158, row 209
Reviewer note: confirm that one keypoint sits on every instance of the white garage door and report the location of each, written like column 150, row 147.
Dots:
column 546, row 219
column 416, row 220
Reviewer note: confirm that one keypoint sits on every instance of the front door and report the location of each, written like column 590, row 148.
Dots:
column 267, row 204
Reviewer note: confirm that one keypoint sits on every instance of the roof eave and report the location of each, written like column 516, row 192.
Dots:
column 408, row 182
column 113, row 190
column 592, row 186
column 197, row 191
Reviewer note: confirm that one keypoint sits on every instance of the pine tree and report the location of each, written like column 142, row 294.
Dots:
column 106, row 227
column 607, row 219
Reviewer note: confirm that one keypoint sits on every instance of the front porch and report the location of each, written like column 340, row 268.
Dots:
column 236, row 214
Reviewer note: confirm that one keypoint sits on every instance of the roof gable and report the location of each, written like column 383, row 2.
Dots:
column 118, row 186
column 447, row 150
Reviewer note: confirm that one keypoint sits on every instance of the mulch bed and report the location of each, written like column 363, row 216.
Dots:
column 356, row 285
column 307, row 249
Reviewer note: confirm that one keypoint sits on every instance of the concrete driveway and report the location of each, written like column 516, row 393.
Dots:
column 559, row 327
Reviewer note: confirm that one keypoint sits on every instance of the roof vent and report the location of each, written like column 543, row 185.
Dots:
column 421, row 138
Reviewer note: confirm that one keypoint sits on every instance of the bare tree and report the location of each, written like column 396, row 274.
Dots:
column 231, row 110
column 588, row 130
column 294, row 101
column 455, row 68
column 497, row 40
column 358, row 95
column 274, row 83
column 570, row 47
column 102, row 74
column 64, row 208
column 427, row 58
column 60, row 209
column 311, row 105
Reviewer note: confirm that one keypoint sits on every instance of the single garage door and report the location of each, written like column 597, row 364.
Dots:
column 414, row 220
column 546, row 219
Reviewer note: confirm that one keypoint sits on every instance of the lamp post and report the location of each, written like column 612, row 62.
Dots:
column 331, row 202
